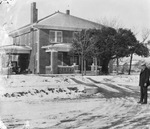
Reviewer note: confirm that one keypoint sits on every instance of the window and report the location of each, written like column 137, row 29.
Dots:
column 56, row 36
column 14, row 40
column 22, row 40
column 18, row 40
column 26, row 39
column 59, row 36
column 52, row 36
column 29, row 38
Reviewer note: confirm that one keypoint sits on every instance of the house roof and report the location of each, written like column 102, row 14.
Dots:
column 63, row 20
column 59, row 20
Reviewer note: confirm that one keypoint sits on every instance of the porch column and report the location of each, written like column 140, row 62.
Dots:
column 54, row 62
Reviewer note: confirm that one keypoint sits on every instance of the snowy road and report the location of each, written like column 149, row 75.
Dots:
column 113, row 107
column 97, row 113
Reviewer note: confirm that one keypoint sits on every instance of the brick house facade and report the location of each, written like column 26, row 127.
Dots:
column 48, row 41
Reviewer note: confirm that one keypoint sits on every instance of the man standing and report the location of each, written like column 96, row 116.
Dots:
column 144, row 83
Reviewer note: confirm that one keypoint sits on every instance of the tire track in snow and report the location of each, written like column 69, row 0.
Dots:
column 107, row 89
column 119, row 111
column 124, row 113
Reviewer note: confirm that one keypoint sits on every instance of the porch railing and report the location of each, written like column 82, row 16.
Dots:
column 65, row 69
column 48, row 70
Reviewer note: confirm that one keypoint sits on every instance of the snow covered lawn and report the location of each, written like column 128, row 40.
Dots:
column 69, row 101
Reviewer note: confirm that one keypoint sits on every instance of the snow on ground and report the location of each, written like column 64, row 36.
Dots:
column 69, row 101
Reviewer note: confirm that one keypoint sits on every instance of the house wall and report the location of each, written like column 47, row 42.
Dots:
column 44, row 58
column 33, row 45
column 28, row 38
column 67, row 36
column 39, row 59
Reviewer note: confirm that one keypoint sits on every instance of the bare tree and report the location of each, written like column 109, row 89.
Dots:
column 145, row 34
column 135, row 30
column 111, row 22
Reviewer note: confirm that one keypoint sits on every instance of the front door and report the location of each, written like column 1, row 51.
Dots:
column 23, row 62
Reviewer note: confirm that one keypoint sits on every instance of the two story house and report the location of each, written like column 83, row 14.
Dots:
column 43, row 45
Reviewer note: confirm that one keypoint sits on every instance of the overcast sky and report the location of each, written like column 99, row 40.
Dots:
column 129, row 13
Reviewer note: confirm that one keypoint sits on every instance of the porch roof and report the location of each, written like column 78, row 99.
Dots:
column 13, row 49
column 64, row 47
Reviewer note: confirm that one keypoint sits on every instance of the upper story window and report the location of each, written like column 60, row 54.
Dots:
column 29, row 39
column 56, row 36
column 14, row 40
column 18, row 40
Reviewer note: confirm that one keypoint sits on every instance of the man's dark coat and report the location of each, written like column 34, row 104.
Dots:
column 144, row 77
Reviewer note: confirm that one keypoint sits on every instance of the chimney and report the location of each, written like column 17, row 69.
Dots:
column 34, row 13
column 68, row 12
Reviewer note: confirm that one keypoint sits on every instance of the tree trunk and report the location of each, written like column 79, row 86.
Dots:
column 84, row 67
column 105, row 67
column 95, row 66
column 131, row 57
column 100, row 69
column 117, row 65
column 111, row 66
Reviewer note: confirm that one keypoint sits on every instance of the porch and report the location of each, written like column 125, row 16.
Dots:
column 61, row 62
column 14, row 59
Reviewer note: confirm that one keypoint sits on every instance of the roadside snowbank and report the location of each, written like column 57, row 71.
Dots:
column 63, row 86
